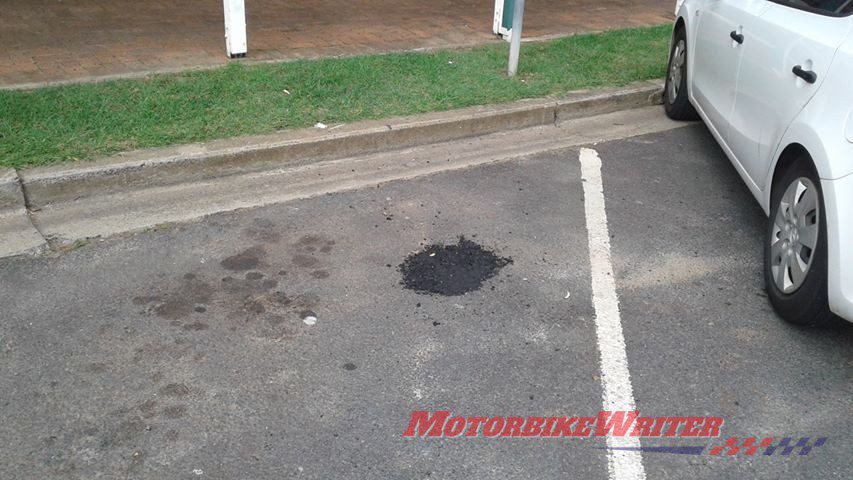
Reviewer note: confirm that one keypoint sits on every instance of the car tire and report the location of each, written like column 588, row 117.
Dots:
column 675, row 100
column 795, row 263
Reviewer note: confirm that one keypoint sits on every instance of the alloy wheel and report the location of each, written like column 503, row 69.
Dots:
column 676, row 70
column 795, row 235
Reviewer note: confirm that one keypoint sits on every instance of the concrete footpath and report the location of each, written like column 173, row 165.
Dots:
column 50, row 41
column 57, row 206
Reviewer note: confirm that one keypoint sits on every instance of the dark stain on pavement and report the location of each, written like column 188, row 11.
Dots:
column 306, row 301
column 307, row 246
column 143, row 300
column 175, row 390
column 127, row 432
column 246, row 260
column 181, row 302
column 280, row 298
column 148, row 408
column 451, row 269
column 175, row 411
column 304, row 261
column 253, row 305
column 313, row 241
column 195, row 327
column 248, row 298
column 97, row 367
column 239, row 286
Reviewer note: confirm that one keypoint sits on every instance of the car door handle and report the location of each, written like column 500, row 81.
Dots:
column 738, row 37
column 807, row 75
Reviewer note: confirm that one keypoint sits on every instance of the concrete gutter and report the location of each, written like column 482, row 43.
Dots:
column 41, row 188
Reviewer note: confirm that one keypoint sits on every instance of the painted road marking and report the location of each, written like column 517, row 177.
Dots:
column 615, row 379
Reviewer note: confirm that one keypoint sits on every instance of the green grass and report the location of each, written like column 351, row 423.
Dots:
column 78, row 122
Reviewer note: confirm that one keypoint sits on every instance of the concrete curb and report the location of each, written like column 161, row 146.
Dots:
column 10, row 190
column 17, row 233
column 198, row 162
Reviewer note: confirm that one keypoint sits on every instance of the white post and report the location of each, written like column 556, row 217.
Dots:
column 235, row 28
column 496, row 21
column 515, row 41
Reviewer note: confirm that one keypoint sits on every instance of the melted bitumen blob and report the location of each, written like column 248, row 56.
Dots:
column 451, row 269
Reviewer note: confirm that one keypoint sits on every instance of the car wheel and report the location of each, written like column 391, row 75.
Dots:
column 795, row 257
column 675, row 100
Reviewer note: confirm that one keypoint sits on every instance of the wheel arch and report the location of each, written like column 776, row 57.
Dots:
column 679, row 24
column 793, row 153
column 801, row 141
column 683, row 23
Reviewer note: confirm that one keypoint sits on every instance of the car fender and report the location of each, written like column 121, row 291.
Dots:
column 804, row 135
column 822, row 136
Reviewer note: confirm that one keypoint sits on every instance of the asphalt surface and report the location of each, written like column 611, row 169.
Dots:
column 183, row 352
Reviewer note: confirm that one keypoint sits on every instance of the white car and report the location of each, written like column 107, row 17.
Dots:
column 773, row 81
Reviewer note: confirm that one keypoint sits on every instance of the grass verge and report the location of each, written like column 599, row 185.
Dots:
column 78, row 122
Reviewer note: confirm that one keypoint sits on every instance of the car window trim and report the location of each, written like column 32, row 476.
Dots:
column 816, row 11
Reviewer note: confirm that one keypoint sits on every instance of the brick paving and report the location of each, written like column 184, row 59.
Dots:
column 79, row 40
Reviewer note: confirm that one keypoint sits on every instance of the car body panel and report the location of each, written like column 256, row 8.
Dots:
column 716, row 70
column 769, row 96
column 838, row 197
column 822, row 124
column 690, row 13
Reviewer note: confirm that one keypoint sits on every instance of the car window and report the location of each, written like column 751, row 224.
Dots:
column 826, row 7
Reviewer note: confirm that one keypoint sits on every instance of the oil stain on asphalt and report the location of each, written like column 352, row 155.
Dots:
column 451, row 269
column 248, row 297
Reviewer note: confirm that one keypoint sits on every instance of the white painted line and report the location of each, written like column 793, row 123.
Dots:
column 615, row 379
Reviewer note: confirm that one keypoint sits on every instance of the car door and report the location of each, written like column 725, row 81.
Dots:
column 789, row 49
column 717, row 55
